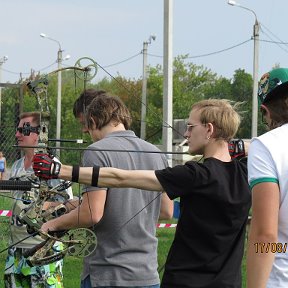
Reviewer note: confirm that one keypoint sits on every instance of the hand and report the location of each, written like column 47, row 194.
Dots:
column 48, row 226
column 45, row 167
column 237, row 148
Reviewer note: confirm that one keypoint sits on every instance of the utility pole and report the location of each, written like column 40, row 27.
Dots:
column 59, row 96
column 2, row 61
column 254, row 129
column 144, row 88
column 167, row 135
column 254, row 124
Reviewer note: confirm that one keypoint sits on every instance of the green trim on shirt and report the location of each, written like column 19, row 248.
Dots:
column 263, row 180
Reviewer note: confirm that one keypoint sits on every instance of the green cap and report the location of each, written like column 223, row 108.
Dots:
column 272, row 83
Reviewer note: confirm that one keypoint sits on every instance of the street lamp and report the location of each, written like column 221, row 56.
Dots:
column 2, row 61
column 255, row 69
column 144, row 87
column 59, row 61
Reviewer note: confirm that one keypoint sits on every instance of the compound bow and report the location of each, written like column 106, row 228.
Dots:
column 77, row 242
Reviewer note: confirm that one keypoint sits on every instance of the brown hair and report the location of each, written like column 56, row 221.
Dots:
column 278, row 108
column 106, row 108
column 35, row 116
column 84, row 100
column 221, row 114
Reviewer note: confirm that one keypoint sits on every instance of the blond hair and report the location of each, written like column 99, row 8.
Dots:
column 221, row 114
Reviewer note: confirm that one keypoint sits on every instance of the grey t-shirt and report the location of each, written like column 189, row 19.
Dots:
column 126, row 254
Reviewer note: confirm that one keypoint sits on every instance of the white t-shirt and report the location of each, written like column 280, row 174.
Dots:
column 268, row 162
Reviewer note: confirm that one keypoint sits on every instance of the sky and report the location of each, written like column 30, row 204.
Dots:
column 112, row 32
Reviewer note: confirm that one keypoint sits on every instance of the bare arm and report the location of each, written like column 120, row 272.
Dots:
column 113, row 177
column 87, row 214
column 166, row 209
column 264, row 229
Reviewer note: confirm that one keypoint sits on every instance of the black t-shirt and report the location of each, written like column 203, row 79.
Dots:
column 215, row 199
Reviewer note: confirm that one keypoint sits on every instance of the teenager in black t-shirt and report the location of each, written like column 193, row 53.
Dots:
column 214, row 199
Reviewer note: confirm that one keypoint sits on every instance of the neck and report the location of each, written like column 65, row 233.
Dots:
column 28, row 158
column 112, row 128
column 217, row 149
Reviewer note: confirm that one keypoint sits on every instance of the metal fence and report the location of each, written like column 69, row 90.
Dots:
column 10, row 107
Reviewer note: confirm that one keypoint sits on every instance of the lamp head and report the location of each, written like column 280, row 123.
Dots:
column 67, row 57
column 232, row 2
column 43, row 35
column 153, row 37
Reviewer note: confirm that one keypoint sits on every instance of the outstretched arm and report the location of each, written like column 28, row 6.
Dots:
column 113, row 177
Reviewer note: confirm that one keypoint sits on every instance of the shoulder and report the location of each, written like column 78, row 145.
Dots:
column 18, row 163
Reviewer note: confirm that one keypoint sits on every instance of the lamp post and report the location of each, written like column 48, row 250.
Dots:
column 2, row 61
column 167, row 133
column 58, row 119
column 144, row 87
column 255, row 69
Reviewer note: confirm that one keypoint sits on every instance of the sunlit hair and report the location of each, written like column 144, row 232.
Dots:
column 278, row 108
column 84, row 100
column 105, row 109
column 221, row 114
column 35, row 116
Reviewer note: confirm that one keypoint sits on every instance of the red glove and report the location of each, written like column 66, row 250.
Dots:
column 45, row 167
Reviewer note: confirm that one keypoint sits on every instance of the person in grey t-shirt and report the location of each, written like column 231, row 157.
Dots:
column 126, row 253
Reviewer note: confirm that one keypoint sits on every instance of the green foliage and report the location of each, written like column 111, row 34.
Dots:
column 242, row 90
column 191, row 83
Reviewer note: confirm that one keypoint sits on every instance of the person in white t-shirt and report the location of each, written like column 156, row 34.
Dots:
column 267, row 261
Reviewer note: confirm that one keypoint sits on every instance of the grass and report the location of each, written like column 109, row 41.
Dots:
column 73, row 266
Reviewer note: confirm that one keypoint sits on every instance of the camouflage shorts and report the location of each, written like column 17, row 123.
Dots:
column 18, row 274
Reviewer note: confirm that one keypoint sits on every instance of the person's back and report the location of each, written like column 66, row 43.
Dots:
column 267, row 260
column 273, row 145
column 126, row 254
column 208, row 246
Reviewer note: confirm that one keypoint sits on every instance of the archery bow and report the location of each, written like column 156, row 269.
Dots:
column 78, row 242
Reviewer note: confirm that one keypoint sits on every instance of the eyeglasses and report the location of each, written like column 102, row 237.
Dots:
column 189, row 127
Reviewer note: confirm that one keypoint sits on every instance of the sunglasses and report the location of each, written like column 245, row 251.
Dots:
column 27, row 129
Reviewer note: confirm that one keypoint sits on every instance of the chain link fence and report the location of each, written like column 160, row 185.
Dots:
column 11, row 106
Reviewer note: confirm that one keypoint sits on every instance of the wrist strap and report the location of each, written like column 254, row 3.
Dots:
column 75, row 173
column 95, row 176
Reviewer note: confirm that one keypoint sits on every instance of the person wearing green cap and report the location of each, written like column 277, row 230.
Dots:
column 267, row 260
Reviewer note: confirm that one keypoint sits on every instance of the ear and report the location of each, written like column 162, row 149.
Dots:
column 93, row 123
column 210, row 130
column 264, row 110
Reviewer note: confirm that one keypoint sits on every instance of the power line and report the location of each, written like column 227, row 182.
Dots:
column 28, row 73
column 211, row 53
column 120, row 62
column 159, row 56
column 220, row 51
column 277, row 43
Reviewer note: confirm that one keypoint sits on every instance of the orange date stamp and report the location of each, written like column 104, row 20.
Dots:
column 273, row 247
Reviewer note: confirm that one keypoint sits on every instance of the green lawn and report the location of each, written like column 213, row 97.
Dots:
column 73, row 266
